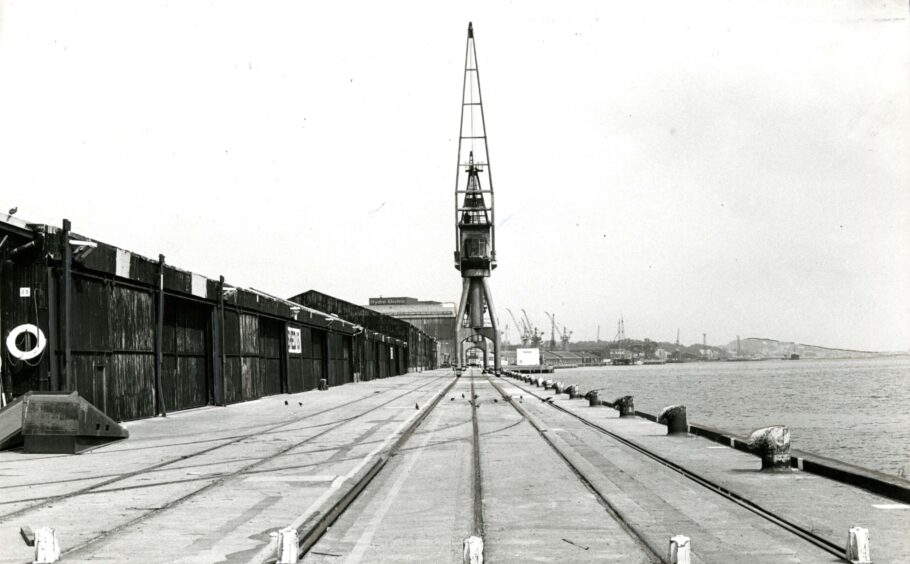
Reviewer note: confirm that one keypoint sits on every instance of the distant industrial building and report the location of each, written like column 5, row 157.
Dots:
column 569, row 359
column 436, row 319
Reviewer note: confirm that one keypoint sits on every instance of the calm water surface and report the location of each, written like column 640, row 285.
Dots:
column 857, row 410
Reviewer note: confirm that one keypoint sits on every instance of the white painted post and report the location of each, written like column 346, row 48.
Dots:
column 858, row 548
column 679, row 550
column 473, row 551
column 47, row 549
column 287, row 546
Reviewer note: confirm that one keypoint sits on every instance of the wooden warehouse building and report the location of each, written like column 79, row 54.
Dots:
column 138, row 337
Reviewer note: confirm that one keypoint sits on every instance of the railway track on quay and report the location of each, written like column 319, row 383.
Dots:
column 805, row 533
column 246, row 468
column 481, row 463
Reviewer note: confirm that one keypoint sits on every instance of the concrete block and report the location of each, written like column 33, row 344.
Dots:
column 287, row 546
column 858, row 549
column 680, row 550
column 47, row 548
column 473, row 551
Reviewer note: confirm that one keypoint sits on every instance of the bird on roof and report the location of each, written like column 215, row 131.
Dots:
column 285, row 402
column 12, row 211
column 416, row 406
column 300, row 403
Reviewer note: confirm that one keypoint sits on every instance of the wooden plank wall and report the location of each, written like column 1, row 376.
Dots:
column 113, row 320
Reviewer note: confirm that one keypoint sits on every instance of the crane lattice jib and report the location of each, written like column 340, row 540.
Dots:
column 473, row 179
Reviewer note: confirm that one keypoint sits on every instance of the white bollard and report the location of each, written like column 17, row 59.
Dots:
column 679, row 550
column 473, row 551
column 858, row 549
column 287, row 546
column 47, row 549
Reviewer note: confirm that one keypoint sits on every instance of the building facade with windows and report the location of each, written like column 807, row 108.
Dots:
column 436, row 319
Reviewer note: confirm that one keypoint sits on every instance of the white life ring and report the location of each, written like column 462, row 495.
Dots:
column 25, row 355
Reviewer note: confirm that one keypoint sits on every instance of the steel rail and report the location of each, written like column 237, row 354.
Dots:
column 604, row 502
column 308, row 536
column 478, row 477
column 45, row 501
column 225, row 477
column 741, row 500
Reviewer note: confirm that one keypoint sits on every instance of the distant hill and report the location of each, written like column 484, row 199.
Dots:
column 772, row 348
column 756, row 347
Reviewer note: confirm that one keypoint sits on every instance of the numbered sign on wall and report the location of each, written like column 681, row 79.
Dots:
column 294, row 343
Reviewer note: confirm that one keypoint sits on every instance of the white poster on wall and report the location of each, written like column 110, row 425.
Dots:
column 294, row 342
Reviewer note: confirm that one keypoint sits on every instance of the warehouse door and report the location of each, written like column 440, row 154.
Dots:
column 320, row 355
column 347, row 360
column 186, row 368
column 271, row 346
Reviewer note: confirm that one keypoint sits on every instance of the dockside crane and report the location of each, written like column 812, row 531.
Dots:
column 564, row 337
column 523, row 333
column 475, row 221
column 533, row 333
column 552, row 330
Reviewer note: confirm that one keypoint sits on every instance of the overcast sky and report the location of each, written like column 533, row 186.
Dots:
column 719, row 167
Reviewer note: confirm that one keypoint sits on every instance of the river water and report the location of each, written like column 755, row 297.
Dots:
column 855, row 410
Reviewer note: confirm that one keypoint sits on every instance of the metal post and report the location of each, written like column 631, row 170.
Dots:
column 221, row 400
column 159, row 341
column 459, row 318
column 69, row 384
column 52, row 344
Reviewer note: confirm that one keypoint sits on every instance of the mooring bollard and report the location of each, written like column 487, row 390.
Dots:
column 593, row 399
column 773, row 445
column 473, row 550
column 858, row 549
column 47, row 549
column 557, row 387
column 572, row 390
column 680, row 552
column 625, row 405
column 323, row 384
column 674, row 416
column 287, row 546
column 539, row 382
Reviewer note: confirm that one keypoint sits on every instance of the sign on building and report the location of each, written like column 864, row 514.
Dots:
column 294, row 343
column 527, row 357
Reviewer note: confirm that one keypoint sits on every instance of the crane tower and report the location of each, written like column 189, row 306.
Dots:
column 475, row 239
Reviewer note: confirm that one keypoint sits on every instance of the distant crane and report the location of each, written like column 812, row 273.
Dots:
column 552, row 330
column 523, row 333
column 621, row 356
column 564, row 337
column 534, row 334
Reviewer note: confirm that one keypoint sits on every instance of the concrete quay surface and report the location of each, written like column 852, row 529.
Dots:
column 536, row 483
column 208, row 485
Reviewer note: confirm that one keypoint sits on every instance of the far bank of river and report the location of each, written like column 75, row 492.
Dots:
column 855, row 410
